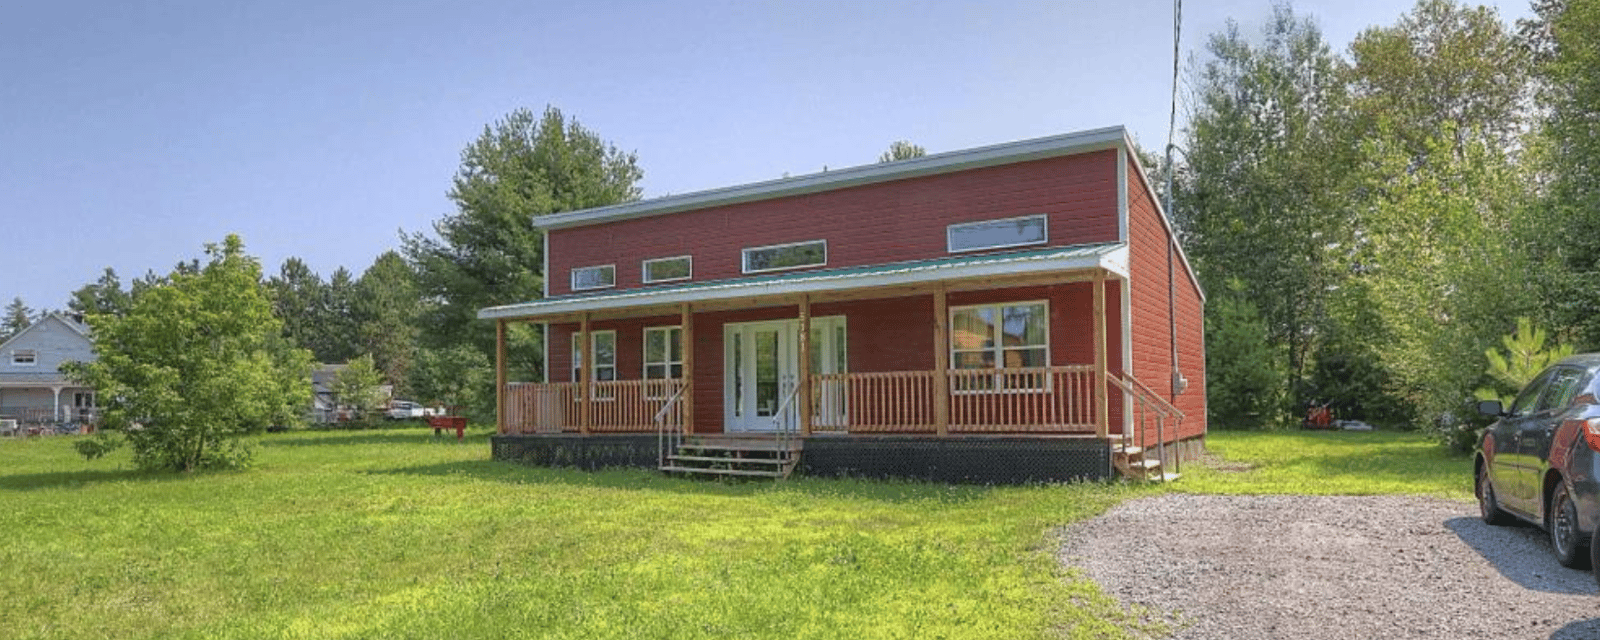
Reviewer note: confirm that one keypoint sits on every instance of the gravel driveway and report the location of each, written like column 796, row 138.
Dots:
column 1258, row 567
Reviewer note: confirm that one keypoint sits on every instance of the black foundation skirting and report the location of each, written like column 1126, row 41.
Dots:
column 962, row 459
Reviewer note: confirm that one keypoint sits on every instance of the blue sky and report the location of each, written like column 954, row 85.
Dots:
column 132, row 133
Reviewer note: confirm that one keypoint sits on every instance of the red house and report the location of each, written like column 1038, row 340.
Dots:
column 1014, row 312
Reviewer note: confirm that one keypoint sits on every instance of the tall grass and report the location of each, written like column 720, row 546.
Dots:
column 390, row 534
column 1329, row 463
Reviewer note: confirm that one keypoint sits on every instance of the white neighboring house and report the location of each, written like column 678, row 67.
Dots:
column 33, row 390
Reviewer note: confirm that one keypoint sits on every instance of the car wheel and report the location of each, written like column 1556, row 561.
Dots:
column 1565, row 537
column 1488, row 505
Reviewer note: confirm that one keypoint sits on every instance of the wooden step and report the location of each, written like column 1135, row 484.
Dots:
column 684, row 458
column 726, row 472
column 742, row 446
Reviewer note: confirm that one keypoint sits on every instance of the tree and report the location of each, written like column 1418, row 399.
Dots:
column 386, row 305
column 902, row 150
column 488, row 252
column 1262, row 196
column 337, row 339
column 18, row 316
column 359, row 386
column 459, row 377
column 102, row 296
column 1563, row 36
column 300, row 300
column 196, row 362
column 1525, row 356
column 1244, row 376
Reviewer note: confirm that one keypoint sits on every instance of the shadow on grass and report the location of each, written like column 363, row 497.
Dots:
column 76, row 479
column 409, row 436
column 1522, row 554
column 637, row 479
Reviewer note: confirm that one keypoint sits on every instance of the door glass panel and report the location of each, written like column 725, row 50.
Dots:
column 766, row 373
column 839, row 361
column 738, row 375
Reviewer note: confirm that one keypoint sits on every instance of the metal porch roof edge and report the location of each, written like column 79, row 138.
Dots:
column 987, row 156
column 1111, row 256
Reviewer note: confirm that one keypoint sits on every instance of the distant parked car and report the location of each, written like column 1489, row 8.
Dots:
column 1538, row 462
column 405, row 410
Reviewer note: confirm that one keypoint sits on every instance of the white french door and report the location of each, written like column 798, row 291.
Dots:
column 761, row 369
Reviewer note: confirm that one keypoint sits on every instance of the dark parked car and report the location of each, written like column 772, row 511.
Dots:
column 1538, row 461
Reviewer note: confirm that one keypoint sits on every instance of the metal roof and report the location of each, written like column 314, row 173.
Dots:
column 993, row 155
column 1110, row 256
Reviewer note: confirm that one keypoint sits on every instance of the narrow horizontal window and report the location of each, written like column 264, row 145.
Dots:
column 668, row 269
column 786, row 256
column 600, row 277
column 24, row 357
column 996, row 234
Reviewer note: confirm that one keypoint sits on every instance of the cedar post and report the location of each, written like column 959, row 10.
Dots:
column 804, row 392
column 941, row 362
column 1102, row 402
column 585, row 370
column 687, row 333
column 500, row 376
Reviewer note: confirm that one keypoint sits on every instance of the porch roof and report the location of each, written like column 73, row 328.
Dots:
column 1112, row 257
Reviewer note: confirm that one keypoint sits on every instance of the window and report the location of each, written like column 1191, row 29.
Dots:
column 1000, row 337
column 605, row 360
column 996, row 234
column 786, row 256
column 24, row 357
column 600, row 277
column 663, row 360
column 1529, row 397
column 668, row 269
column 1563, row 388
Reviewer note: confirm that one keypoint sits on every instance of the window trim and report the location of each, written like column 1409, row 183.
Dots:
column 668, row 363
column 644, row 269
column 744, row 256
column 593, row 370
column 32, row 355
column 574, row 277
column 998, row 349
column 949, row 233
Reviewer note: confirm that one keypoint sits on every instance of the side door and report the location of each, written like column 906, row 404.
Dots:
column 1511, row 469
column 1538, row 431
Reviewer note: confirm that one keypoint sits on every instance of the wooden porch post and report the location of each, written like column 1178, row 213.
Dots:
column 687, row 321
column 804, row 395
column 941, row 362
column 584, row 372
column 500, row 376
column 1102, row 402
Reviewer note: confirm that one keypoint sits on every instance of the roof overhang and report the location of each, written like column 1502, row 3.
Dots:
column 1110, row 257
column 993, row 155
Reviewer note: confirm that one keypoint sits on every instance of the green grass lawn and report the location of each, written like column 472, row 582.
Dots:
column 390, row 534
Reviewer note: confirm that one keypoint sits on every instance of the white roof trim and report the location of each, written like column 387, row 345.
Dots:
column 1112, row 257
column 993, row 155
column 1166, row 222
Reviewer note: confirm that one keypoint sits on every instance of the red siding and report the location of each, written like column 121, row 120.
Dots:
column 891, row 334
column 865, row 225
column 1150, row 253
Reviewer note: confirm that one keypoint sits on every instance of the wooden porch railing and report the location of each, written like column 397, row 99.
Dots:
column 1032, row 400
column 615, row 406
column 1150, row 412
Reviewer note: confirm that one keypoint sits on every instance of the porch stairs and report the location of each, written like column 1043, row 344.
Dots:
column 1134, row 463
column 735, row 456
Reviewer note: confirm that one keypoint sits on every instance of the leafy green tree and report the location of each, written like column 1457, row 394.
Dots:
column 359, row 386
column 1262, row 198
column 18, row 316
column 196, row 362
column 902, row 150
column 1563, row 36
column 459, row 377
column 300, row 300
column 1525, row 356
column 105, row 295
column 1245, row 377
column 386, row 305
column 337, row 338
column 488, row 252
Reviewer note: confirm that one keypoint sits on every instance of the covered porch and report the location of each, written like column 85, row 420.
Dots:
column 986, row 351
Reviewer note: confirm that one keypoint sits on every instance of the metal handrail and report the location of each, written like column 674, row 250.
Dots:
column 666, row 440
